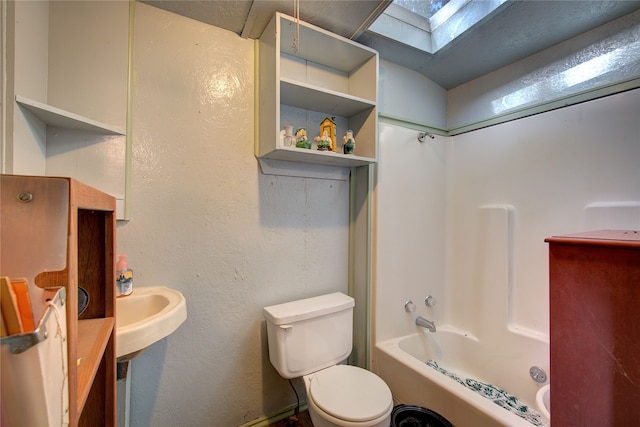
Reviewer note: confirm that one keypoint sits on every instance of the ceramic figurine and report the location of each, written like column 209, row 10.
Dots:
column 301, row 139
column 329, row 125
column 349, row 142
column 324, row 141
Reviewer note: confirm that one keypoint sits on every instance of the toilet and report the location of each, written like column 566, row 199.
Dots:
column 308, row 338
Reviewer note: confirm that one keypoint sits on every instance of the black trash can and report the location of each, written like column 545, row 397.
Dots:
column 417, row 416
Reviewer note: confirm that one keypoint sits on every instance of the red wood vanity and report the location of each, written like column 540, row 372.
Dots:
column 594, row 295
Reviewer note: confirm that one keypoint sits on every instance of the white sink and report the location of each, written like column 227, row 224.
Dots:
column 543, row 402
column 146, row 316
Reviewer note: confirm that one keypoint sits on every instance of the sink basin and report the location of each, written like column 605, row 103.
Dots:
column 543, row 402
column 146, row 316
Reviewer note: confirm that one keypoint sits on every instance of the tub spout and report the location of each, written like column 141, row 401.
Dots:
column 422, row 322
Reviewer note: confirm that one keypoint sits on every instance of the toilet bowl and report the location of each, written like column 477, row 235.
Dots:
column 348, row 396
column 310, row 338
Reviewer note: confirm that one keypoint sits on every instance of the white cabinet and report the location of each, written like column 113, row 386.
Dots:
column 328, row 76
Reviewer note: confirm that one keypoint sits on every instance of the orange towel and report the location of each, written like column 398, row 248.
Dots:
column 10, row 314
column 21, row 290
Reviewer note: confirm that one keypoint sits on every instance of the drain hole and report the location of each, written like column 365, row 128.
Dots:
column 538, row 374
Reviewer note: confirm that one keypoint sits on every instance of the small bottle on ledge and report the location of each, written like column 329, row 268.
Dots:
column 124, row 277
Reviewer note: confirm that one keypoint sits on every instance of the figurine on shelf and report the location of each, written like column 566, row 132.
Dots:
column 301, row 139
column 329, row 125
column 324, row 141
column 349, row 142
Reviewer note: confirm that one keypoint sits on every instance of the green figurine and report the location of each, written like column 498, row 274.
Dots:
column 349, row 142
column 324, row 141
column 301, row 139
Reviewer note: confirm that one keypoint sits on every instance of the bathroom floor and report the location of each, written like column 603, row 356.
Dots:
column 303, row 420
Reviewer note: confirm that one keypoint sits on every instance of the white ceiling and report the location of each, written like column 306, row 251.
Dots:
column 248, row 18
column 512, row 32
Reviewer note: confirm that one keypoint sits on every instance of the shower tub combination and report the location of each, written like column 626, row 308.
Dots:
column 450, row 352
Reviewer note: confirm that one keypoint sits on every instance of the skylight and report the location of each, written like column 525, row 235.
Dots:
column 429, row 25
column 426, row 9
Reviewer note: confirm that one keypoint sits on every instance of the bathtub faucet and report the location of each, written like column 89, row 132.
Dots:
column 424, row 323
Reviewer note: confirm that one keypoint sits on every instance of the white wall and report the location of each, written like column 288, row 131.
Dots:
column 504, row 189
column 73, row 56
column 87, row 61
column 25, row 149
column 602, row 57
column 206, row 222
column 409, row 230
column 409, row 95
column 87, row 67
column 410, row 202
column 548, row 168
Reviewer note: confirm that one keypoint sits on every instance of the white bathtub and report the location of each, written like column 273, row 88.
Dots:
column 401, row 363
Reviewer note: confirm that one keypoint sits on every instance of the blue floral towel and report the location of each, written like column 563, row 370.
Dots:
column 495, row 394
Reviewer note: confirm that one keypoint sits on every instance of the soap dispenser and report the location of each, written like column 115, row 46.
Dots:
column 124, row 277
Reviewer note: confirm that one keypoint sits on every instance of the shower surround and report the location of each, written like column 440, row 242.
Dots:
column 464, row 219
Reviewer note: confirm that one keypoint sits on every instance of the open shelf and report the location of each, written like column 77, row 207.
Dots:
column 57, row 117
column 64, row 149
column 315, row 98
column 321, row 46
column 328, row 158
column 93, row 337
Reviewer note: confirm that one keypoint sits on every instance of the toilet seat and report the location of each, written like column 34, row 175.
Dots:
column 350, row 393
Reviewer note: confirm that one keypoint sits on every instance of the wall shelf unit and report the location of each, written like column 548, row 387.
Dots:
column 328, row 76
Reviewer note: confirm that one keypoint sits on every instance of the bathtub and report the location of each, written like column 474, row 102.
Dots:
column 401, row 363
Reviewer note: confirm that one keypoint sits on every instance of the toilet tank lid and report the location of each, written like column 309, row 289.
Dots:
column 296, row 311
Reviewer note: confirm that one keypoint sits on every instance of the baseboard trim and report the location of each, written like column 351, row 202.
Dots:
column 265, row 421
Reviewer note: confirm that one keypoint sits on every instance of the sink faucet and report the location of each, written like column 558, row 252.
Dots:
column 422, row 322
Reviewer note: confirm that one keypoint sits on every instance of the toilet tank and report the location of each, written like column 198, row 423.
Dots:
column 310, row 334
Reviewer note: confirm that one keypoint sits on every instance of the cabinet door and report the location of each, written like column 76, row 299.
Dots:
column 595, row 335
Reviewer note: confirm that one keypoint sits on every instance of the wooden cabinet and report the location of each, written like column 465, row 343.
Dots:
column 326, row 76
column 594, row 297
column 64, row 234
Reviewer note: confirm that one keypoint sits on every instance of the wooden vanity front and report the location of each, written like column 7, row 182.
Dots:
column 594, row 295
column 59, row 232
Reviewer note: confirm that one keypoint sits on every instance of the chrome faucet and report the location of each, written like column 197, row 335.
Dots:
column 424, row 323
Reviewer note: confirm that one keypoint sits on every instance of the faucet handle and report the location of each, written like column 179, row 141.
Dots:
column 430, row 301
column 409, row 306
